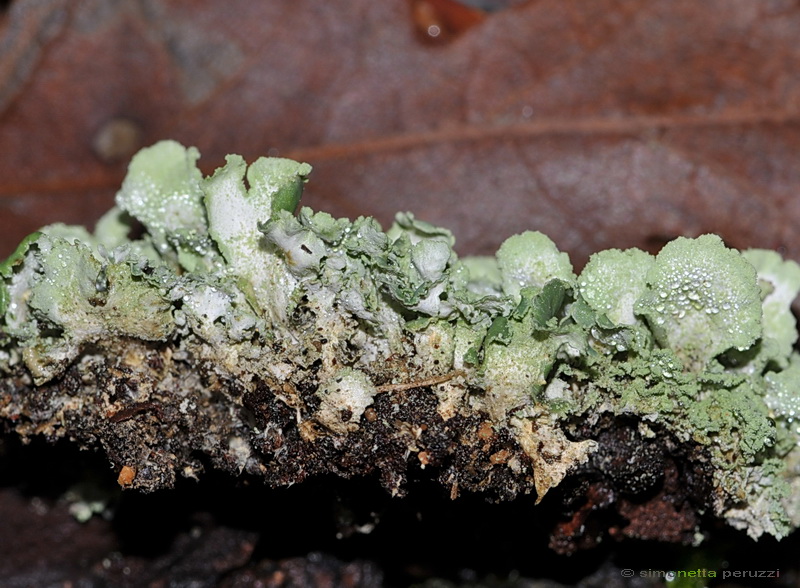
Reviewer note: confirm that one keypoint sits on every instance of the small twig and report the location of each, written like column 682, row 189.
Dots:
column 420, row 383
column 134, row 409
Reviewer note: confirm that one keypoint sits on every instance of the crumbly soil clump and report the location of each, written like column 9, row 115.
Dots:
column 154, row 434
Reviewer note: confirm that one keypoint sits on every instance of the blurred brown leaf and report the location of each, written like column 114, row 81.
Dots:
column 604, row 123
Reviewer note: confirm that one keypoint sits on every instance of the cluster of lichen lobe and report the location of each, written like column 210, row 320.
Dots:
column 231, row 332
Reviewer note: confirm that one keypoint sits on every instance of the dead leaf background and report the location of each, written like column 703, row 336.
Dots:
column 612, row 123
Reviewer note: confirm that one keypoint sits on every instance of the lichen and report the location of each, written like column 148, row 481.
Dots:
column 702, row 299
column 234, row 327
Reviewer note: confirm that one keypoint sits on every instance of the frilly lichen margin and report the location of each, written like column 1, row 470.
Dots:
column 697, row 339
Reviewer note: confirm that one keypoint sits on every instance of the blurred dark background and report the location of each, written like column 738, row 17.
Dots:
column 605, row 123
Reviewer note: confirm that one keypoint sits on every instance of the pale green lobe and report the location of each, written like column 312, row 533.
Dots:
column 7, row 268
column 613, row 280
column 236, row 216
column 783, row 394
column 531, row 259
column 702, row 299
column 132, row 307
column 516, row 371
column 233, row 217
column 113, row 228
column 235, row 213
column 430, row 258
column 517, row 362
column 74, row 300
column 68, row 279
column 418, row 230
column 431, row 246
column 302, row 250
column 416, row 265
column 780, row 284
column 281, row 180
column 411, row 262
column 163, row 191
column 329, row 229
column 483, row 275
column 71, row 233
